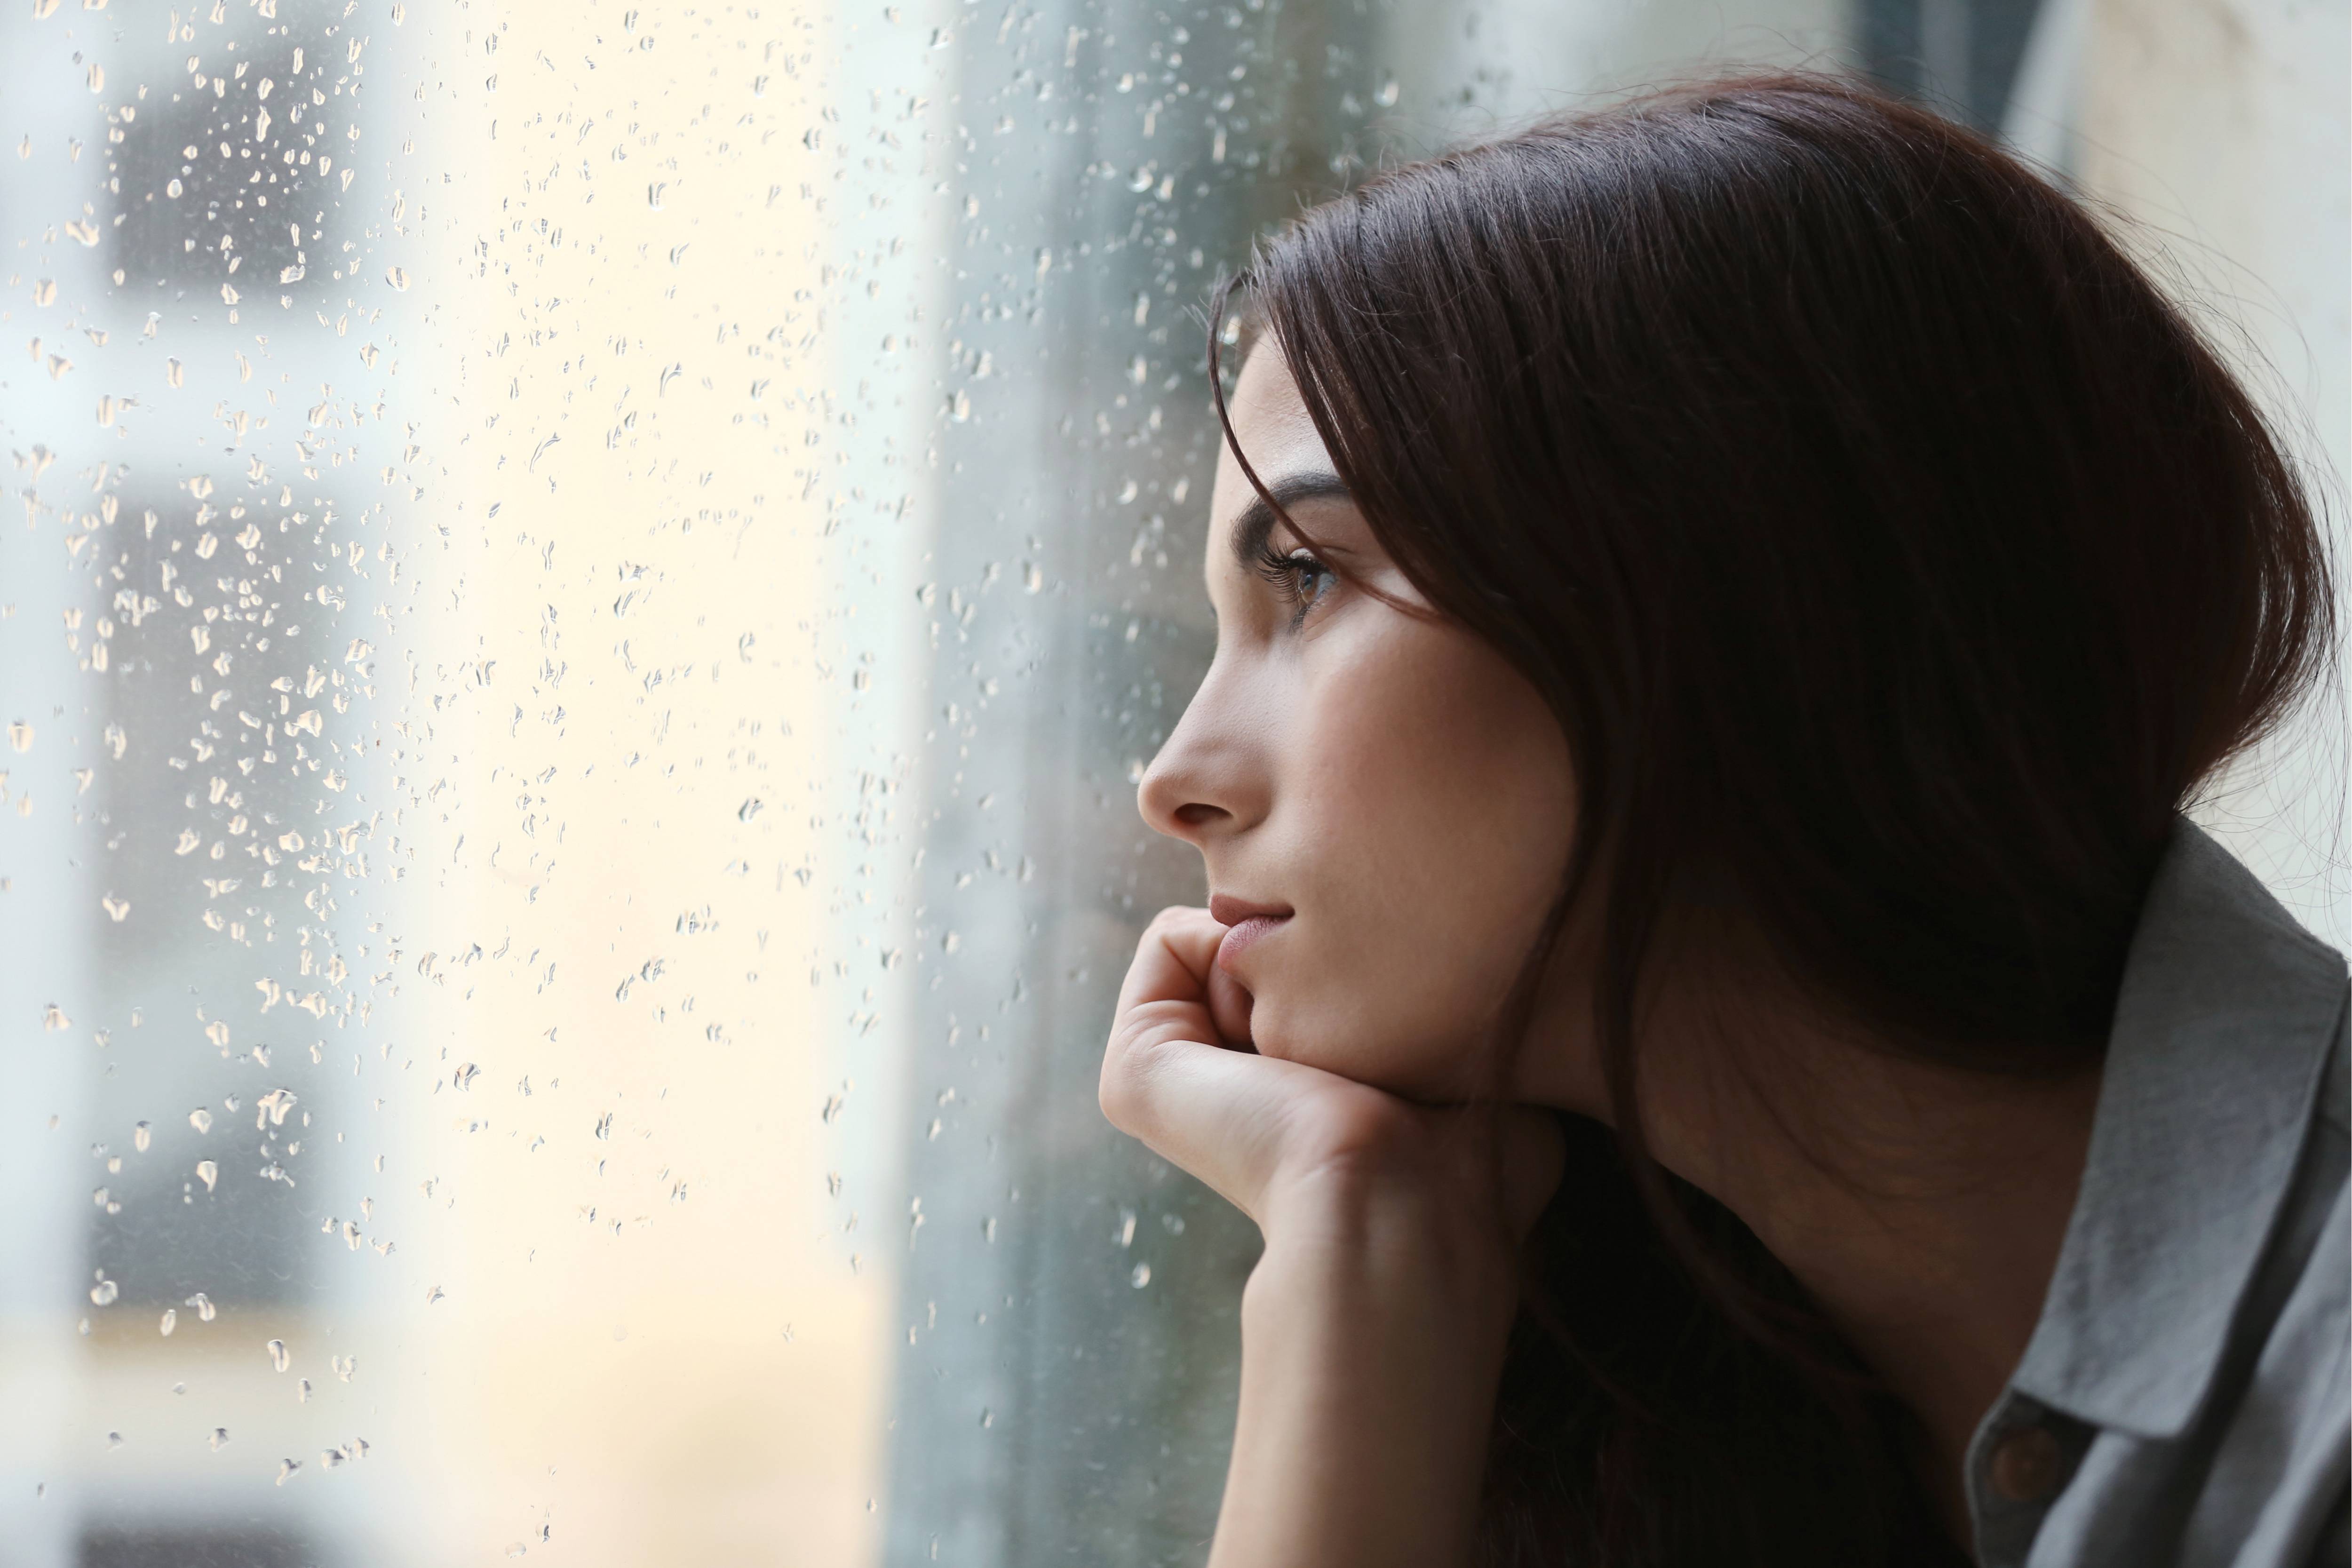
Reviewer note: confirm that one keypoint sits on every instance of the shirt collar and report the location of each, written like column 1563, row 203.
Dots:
column 2223, row 1029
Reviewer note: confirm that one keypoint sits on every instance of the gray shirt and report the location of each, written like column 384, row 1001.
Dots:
column 2185, row 1401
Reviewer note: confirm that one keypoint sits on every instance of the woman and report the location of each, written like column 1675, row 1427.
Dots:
column 1707, row 991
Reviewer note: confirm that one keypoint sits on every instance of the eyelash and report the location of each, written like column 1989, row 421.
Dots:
column 1283, row 572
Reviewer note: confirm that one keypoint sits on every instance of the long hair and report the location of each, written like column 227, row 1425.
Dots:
column 1897, row 560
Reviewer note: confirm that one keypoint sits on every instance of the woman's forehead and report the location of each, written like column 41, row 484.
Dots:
column 1271, row 424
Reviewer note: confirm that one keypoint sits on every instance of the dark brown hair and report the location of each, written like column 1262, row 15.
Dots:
column 1897, row 561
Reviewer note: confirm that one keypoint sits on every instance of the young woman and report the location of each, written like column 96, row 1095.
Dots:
column 1707, row 991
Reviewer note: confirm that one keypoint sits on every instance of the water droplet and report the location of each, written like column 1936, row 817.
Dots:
column 219, row 1438
column 117, row 910
column 20, row 735
column 114, row 1439
column 433, row 1295
column 45, row 292
column 330, row 1458
column 205, row 1311
column 54, row 1018
column 201, row 1120
column 1141, row 1277
column 208, row 1172
column 104, row 1293
column 397, row 278
column 218, row 1032
column 749, row 809
column 170, row 1320
column 278, row 1357
column 142, row 1136
column 286, row 1468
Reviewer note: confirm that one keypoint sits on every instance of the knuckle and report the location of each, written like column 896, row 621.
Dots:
column 1124, row 1091
column 1173, row 916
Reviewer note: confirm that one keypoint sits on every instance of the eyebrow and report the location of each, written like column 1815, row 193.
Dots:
column 1256, row 518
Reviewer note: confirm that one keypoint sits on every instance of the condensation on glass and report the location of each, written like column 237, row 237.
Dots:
column 592, row 584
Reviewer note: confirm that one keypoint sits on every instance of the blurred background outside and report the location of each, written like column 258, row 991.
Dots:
column 593, row 583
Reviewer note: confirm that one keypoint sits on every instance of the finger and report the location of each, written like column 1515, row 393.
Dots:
column 1230, row 1006
column 1174, row 959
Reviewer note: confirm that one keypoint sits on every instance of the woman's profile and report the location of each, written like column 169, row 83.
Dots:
column 1708, row 991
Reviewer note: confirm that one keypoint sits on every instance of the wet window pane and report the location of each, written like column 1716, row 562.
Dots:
column 593, row 583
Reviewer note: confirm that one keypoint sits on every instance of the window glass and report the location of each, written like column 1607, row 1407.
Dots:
column 594, row 585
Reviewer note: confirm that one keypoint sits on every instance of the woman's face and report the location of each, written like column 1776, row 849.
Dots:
column 1384, row 804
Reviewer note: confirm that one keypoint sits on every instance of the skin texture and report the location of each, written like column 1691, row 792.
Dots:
column 1394, row 805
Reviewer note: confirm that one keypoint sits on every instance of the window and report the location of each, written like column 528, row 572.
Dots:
column 595, row 582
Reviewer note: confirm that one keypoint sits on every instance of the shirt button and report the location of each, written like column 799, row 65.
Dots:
column 2028, row 1465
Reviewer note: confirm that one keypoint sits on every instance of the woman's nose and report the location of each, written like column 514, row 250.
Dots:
column 1199, row 783
column 1172, row 799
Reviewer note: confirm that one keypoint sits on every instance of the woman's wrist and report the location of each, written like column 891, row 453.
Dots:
column 1338, row 1237
column 1373, row 1334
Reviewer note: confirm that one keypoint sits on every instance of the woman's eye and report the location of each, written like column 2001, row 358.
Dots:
column 1299, row 578
column 1309, row 578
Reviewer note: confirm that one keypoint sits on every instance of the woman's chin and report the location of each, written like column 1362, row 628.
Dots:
column 1435, row 1068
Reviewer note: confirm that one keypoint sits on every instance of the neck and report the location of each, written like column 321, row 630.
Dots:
column 1923, row 1207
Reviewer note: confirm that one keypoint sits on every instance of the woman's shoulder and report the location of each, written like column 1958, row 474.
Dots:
column 2186, row 1397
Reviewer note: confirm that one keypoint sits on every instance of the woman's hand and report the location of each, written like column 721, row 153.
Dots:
column 1373, row 1327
